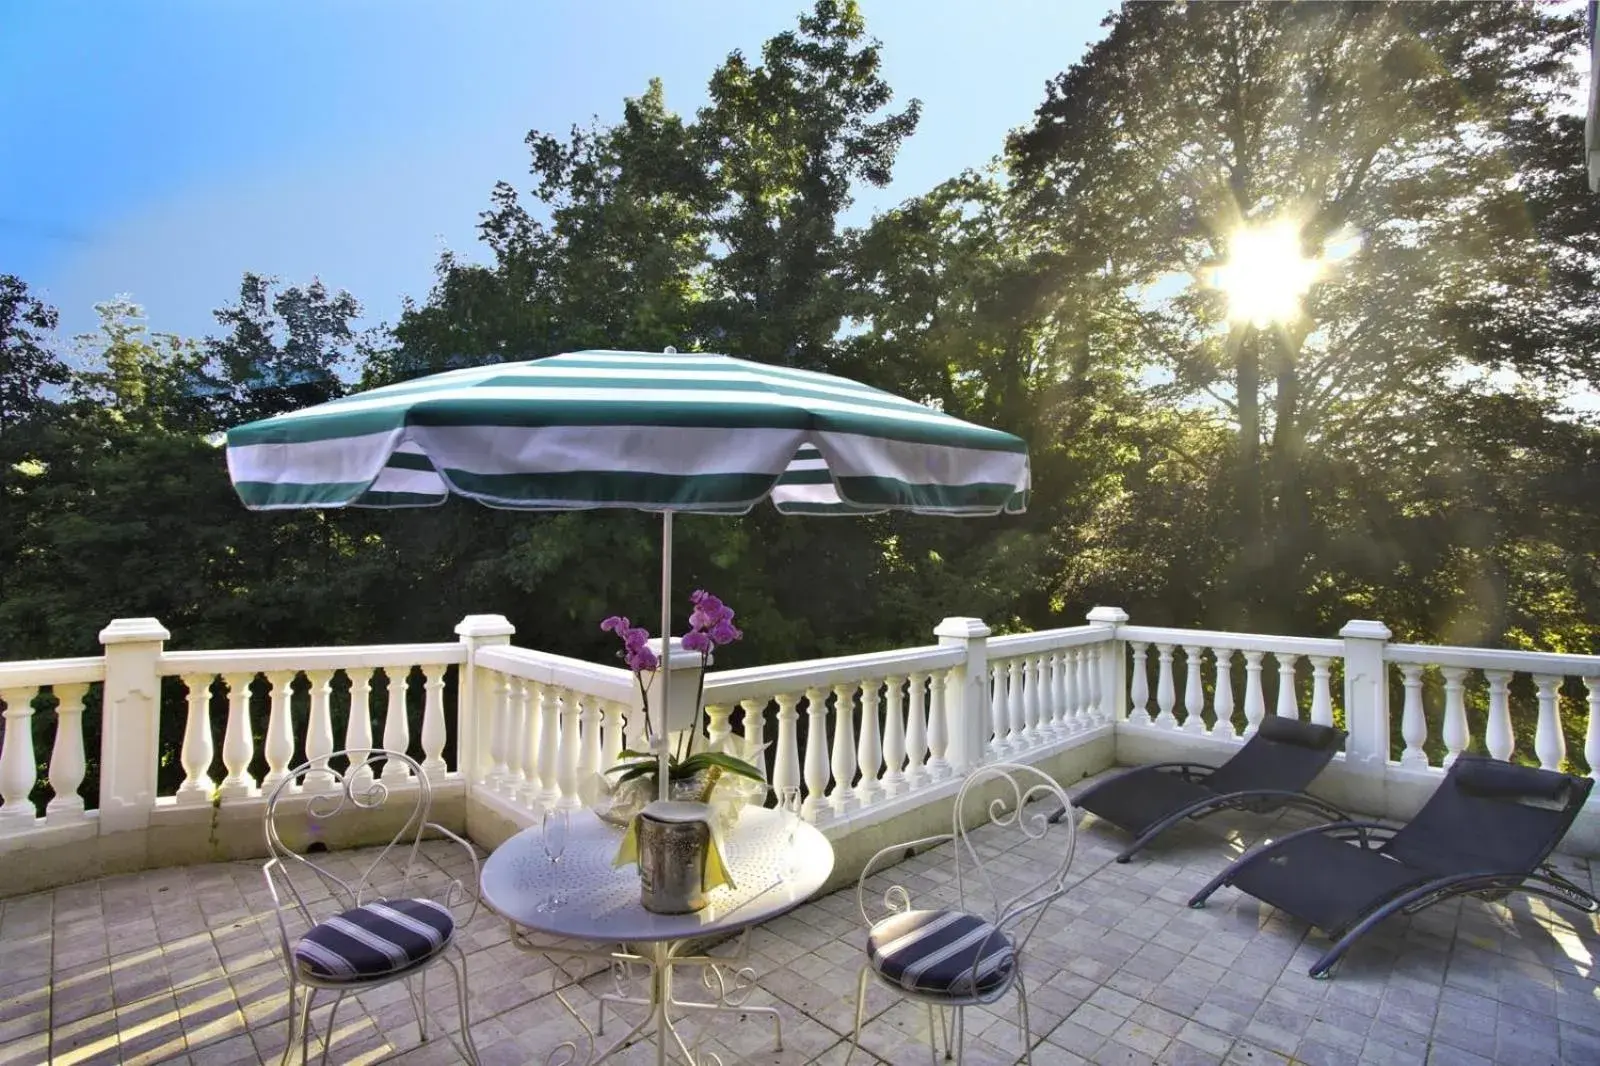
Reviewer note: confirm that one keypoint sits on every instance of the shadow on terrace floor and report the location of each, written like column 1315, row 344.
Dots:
column 181, row 965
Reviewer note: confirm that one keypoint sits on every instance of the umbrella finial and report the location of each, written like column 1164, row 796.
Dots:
column 669, row 350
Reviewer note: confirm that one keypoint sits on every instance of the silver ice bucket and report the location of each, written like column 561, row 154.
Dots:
column 673, row 840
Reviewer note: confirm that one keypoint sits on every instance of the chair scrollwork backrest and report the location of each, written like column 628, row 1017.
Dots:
column 387, row 784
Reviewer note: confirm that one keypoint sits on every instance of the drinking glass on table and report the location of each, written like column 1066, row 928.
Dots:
column 789, row 802
column 553, row 828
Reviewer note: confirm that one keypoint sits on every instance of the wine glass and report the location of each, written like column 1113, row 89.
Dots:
column 553, row 830
column 790, row 804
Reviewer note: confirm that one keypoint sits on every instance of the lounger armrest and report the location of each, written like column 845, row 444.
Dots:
column 1189, row 771
column 895, row 898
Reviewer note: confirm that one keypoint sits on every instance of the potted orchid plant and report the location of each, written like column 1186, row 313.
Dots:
column 710, row 626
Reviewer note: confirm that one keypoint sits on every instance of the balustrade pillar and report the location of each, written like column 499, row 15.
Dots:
column 478, row 704
column 1366, row 706
column 940, row 686
column 1222, row 695
column 916, row 731
column 786, row 759
column 999, row 715
column 433, row 731
column 1413, row 726
column 1194, row 698
column 894, row 736
column 1321, row 691
column 1591, row 739
column 1076, row 717
column 965, row 703
column 1016, row 703
column 869, row 746
column 197, row 751
column 1549, row 744
column 536, row 786
column 588, row 785
column 502, row 739
column 319, row 729
column 278, row 744
column 1497, row 734
column 567, row 759
column 1288, row 701
column 17, row 761
column 1061, row 665
column 843, row 797
column 129, row 722
column 1164, row 693
column 1139, row 693
column 1108, row 670
column 238, row 745
column 396, row 722
column 615, row 714
column 67, row 764
column 1254, row 703
column 1033, row 687
column 358, row 726
column 816, row 752
column 1454, row 732
column 548, row 743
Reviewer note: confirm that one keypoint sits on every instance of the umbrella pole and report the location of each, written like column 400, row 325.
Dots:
column 663, row 786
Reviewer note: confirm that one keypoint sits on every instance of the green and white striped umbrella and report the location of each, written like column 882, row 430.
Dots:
column 658, row 432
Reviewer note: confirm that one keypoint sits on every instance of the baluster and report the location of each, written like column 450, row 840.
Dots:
column 1455, row 713
column 938, row 726
column 615, row 714
column 916, row 731
column 1095, row 709
column 1074, row 719
column 238, row 745
column 894, row 736
column 502, row 754
column 278, row 744
column 396, row 723
column 1015, row 702
column 1413, row 726
column 717, row 728
column 1288, row 702
column 567, row 762
column 1033, row 706
column 786, row 760
column 1194, row 697
column 358, row 727
column 844, row 745
column 1164, row 693
column 1321, row 691
column 1591, row 738
column 999, row 722
column 1548, row 742
column 1139, row 689
column 197, row 747
column 869, row 746
column 1255, row 704
column 589, row 747
column 17, row 761
column 1497, row 735
column 1061, row 711
column 816, row 752
column 1222, row 698
column 67, row 764
column 515, row 778
column 433, row 732
column 530, row 718
column 548, row 741
column 319, row 729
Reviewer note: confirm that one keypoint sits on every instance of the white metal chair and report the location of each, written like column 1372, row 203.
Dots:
column 952, row 958
column 355, row 935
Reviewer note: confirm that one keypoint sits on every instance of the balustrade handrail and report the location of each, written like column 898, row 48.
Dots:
column 1494, row 659
column 274, row 660
column 730, row 686
column 580, row 675
column 1207, row 638
column 28, row 673
column 1047, row 640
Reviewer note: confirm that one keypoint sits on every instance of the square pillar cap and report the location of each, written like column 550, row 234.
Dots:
column 961, row 628
column 485, row 625
column 1365, row 628
column 134, row 630
column 1113, row 615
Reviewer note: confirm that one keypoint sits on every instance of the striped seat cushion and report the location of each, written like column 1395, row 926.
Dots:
column 375, row 939
column 934, row 952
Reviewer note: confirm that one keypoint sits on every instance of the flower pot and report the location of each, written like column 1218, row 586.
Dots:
column 683, row 708
column 673, row 841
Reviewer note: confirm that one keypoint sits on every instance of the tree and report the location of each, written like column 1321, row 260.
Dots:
column 29, row 367
column 1424, row 133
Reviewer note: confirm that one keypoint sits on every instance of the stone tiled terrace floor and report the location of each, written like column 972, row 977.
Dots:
column 181, row 965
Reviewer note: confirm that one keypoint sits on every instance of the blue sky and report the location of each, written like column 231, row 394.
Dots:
column 163, row 147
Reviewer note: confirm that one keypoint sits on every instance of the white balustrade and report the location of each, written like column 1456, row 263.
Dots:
column 1222, row 696
column 278, row 744
column 1321, row 690
column 238, row 745
column 842, row 798
column 1413, row 726
column 1193, row 694
column 894, row 736
column 1454, row 733
column 869, row 748
column 197, row 751
column 1549, row 743
column 1255, row 707
column 917, row 730
column 396, row 723
column 1138, row 689
column 67, row 765
column 17, row 761
column 1165, row 697
column 1288, row 702
column 816, row 751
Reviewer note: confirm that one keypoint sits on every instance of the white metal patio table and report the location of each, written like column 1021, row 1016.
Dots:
column 603, row 920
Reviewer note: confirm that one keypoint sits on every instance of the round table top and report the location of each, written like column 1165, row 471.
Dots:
column 602, row 901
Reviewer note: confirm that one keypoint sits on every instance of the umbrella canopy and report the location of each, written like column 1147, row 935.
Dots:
column 658, row 432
